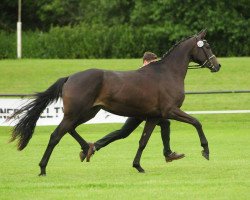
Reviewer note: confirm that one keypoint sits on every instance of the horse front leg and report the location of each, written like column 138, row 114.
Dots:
column 181, row 116
column 147, row 131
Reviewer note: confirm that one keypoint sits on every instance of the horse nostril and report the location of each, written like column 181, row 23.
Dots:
column 218, row 67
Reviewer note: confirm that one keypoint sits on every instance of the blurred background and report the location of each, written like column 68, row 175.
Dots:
column 121, row 28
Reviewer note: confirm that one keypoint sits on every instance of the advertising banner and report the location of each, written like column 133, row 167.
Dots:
column 52, row 115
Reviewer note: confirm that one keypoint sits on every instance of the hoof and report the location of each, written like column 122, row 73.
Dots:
column 205, row 155
column 139, row 168
column 82, row 156
column 42, row 174
column 90, row 152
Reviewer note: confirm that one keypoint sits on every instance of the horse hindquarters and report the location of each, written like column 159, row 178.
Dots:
column 79, row 94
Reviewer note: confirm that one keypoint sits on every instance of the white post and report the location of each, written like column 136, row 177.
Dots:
column 19, row 31
column 19, row 39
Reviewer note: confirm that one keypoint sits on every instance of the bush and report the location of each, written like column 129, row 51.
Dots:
column 7, row 45
column 120, row 41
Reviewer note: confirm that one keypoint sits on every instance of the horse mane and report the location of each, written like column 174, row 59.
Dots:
column 175, row 45
column 157, row 68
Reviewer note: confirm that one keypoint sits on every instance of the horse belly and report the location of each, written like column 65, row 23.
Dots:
column 131, row 105
column 131, row 111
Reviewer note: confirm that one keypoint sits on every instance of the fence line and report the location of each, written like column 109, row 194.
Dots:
column 188, row 92
column 218, row 112
column 219, row 92
column 16, row 95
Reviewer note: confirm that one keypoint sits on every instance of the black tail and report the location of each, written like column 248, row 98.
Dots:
column 24, row 129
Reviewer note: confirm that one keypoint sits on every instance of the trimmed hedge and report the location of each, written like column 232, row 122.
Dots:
column 7, row 45
column 122, row 41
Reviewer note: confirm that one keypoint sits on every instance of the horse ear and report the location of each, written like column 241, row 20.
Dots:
column 202, row 33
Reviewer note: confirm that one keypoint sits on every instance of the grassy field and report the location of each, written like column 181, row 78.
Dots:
column 109, row 175
column 28, row 76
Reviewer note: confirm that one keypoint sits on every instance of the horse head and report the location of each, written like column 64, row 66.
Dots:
column 203, row 55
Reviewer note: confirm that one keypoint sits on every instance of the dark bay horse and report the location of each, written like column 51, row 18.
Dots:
column 152, row 92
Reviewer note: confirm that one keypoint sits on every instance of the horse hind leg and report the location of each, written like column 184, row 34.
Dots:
column 67, row 125
column 86, row 116
column 84, row 145
column 55, row 138
column 147, row 131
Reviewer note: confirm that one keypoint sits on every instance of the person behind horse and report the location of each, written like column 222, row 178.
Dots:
column 131, row 124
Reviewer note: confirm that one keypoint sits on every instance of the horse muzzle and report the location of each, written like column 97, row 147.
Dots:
column 216, row 68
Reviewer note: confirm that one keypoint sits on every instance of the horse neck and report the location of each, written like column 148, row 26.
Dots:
column 178, row 59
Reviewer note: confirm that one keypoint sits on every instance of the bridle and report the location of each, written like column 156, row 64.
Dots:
column 200, row 44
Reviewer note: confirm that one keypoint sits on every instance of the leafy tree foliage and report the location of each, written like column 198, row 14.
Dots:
column 156, row 24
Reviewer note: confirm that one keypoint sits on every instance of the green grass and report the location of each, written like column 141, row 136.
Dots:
column 109, row 175
column 29, row 76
